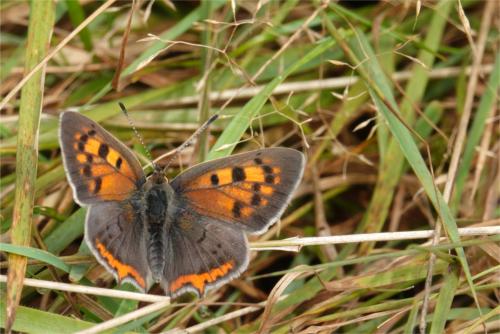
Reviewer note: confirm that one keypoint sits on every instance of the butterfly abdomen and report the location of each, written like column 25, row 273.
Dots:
column 156, row 213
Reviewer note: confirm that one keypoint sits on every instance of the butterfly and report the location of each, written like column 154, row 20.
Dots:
column 188, row 234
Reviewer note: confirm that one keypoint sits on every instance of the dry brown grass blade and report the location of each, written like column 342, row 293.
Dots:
column 274, row 296
column 322, row 227
column 126, row 318
column 74, row 288
column 458, row 146
column 331, row 327
column 116, row 84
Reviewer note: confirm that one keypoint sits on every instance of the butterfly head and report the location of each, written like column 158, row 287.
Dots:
column 158, row 176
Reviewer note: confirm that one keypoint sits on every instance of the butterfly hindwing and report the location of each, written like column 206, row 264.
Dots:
column 202, row 254
column 114, row 230
column 99, row 167
column 250, row 190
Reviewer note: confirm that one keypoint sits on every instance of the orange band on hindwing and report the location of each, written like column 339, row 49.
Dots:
column 199, row 281
column 123, row 270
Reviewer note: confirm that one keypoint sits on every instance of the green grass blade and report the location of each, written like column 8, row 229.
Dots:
column 33, row 321
column 65, row 233
column 488, row 101
column 240, row 123
column 39, row 35
column 35, row 253
column 392, row 166
column 77, row 15
column 417, row 163
column 7, row 65
column 445, row 299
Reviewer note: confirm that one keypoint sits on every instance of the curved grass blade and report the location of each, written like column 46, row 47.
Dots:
column 30, row 320
column 35, row 253
column 409, row 148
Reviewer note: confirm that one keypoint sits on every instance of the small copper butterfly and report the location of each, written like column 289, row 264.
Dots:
column 187, row 234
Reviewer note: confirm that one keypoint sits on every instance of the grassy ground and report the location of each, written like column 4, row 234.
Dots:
column 394, row 104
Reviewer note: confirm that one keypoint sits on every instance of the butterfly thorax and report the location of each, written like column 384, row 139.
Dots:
column 159, row 204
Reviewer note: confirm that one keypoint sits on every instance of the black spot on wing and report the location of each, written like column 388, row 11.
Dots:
column 81, row 146
column 118, row 163
column 98, row 182
column 270, row 178
column 237, row 206
column 84, row 138
column 238, row 174
column 256, row 200
column 87, row 171
column 103, row 150
column 267, row 169
column 214, row 179
column 91, row 132
column 202, row 237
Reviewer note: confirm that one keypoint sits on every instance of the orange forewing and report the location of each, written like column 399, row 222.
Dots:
column 252, row 173
column 251, row 189
column 235, row 197
column 217, row 203
column 100, row 167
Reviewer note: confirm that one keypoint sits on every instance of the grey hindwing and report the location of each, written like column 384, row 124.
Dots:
column 201, row 246
column 116, row 229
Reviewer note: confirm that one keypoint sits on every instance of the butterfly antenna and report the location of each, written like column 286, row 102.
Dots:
column 190, row 140
column 137, row 134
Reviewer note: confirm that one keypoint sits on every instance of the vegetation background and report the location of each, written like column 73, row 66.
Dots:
column 395, row 104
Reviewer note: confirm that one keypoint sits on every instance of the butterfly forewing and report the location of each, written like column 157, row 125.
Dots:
column 250, row 190
column 99, row 167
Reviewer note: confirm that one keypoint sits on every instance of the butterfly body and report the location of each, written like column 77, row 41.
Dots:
column 187, row 234
column 158, row 209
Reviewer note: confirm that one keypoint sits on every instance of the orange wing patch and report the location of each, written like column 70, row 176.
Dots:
column 123, row 270
column 217, row 203
column 199, row 281
column 100, row 151
column 224, row 176
column 234, row 192
column 104, row 172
